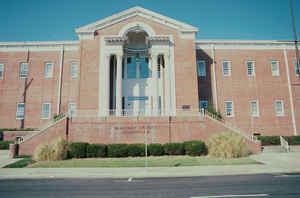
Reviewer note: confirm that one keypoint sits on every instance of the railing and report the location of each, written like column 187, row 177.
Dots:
column 284, row 144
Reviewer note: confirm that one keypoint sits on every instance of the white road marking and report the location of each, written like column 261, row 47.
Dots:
column 220, row 196
column 287, row 176
column 130, row 179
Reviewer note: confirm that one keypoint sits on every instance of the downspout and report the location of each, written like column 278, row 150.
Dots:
column 214, row 77
column 60, row 80
column 290, row 91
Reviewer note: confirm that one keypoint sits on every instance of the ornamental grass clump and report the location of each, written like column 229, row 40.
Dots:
column 58, row 150
column 227, row 145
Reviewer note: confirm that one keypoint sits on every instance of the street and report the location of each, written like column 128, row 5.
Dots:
column 261, row 185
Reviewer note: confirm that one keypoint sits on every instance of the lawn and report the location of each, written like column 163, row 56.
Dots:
column 163, row 161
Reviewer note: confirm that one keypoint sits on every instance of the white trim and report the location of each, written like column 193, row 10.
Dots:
column 38, row 46
column 136, row 25
column 232, row 108
column 282, row 108
column 49, row 113
column 212, row 48
column 290, row 91
column 136, row 11
column 257, row 108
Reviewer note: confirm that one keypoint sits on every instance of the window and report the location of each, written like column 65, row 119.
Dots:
column 203, row 104
column 131, row 68
column 297, row 71
column 48, row 70
column 254, row 108
column 1, row 70
column 20, row 111
column 250, row 68
column 74, row 70
column 46, row 110
column 201, row 68
column 275, row 68
column 226, row 68
column 72, row 109
column 144, row 68
column 23, row 70
column 279, row 108
column 229, row 108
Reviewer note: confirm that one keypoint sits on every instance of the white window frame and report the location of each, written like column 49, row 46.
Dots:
column 296, row 69
column 203, row 101
column 253, row 68
column 18, row 112
column 43, row 116
column 257, row 108
column 198, row 67
column 229, row 68
column 74, row 73
column 232, row 108
column 48, row 73
column 73, row 112
column 23, row 74
column 282, row 108
column 275, row 73
column 1, row 70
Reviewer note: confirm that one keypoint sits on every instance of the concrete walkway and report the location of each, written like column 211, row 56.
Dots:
column 5, row 159
column 273, row 163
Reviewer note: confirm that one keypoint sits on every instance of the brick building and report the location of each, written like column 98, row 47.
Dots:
column 138, row 64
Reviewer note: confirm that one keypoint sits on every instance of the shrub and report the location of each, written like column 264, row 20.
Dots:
column 77, row 149
column 60, row 149
column 195, row 148
column 174, row 148
column 43, row 152
column 155, row 149
column 269, row 140
column 117, row 150
column 51, row 152
column 96, row 150
column 135, row 150
column 292, row 140
column 227, row 145
column 4, row 145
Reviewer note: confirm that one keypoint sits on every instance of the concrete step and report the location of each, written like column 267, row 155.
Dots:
column 278, row 149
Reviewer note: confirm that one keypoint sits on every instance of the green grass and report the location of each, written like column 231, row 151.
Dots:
column 165, row 161
column 22, row 163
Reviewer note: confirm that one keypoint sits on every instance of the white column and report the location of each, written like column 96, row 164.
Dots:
column 119, row 86
column 167, row 86
column 155, row 85
column 106, row 85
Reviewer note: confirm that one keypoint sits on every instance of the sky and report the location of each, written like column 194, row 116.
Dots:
column 55, row 20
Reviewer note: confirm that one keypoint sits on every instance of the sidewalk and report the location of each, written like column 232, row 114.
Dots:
column 5, row 159
column 273, row 163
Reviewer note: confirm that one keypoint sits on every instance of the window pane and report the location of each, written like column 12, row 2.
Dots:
column 296, row 68
column 23, row 70
column 131, row 67
column 144, row 68
column 228, row 106
column 201, row 68
column 275, row 68
column 46, row 110
column 253, row 108
column 226, row 68
column 1, row 70
column 73, row 69
column 250, row 66
column 203, row 104
column 20, row 111
column 48, row 70
column 279, row 107
column 72, row 109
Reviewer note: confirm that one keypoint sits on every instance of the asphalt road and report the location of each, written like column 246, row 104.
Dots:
column 264, row 185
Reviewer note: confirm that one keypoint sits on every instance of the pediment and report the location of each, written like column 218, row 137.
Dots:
column 88, row 30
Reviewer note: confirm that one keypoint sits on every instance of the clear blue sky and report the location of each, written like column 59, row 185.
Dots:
column 51, row 20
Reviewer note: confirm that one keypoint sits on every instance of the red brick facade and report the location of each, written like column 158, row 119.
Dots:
column 83, row 90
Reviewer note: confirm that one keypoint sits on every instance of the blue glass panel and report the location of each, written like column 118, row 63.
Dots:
column 131, row 68
column 132, row 98
column 144, row 68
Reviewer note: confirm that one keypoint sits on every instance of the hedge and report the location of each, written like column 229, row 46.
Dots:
column 117, row 150
column 4, row 145
column 155, row 149
column 174, row 148
column 292, row 140
column 78, row 149
column 195, row 148
column 136, row 150
column 269, row 140
column 96, row 150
